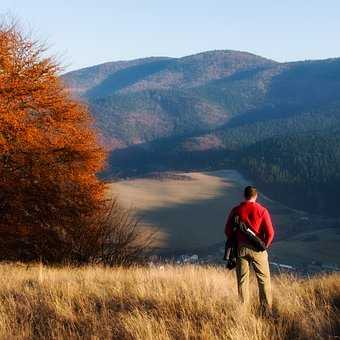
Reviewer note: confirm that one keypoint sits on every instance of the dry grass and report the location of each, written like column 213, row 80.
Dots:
column 159, row 303
column 190, row 214
column 177, row 209
column 146, row 194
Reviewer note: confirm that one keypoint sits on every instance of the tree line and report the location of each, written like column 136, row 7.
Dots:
column 302, row 170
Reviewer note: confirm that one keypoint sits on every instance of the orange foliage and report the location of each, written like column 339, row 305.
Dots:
column 49, row 156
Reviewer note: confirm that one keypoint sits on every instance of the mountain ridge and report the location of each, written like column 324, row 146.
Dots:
column 205, row 110
column 167, row 84
column 142, row 100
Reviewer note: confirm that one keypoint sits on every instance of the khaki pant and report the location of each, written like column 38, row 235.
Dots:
column 259, row 260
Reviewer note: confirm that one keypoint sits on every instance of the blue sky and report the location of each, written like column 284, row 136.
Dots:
column 84, row 33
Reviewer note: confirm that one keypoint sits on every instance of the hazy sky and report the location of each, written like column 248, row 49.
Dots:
column 88, row 32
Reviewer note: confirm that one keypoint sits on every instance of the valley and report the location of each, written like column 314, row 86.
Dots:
column 184, row 119
column 189, row 209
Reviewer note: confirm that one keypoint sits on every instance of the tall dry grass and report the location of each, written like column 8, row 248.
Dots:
column 155, row 303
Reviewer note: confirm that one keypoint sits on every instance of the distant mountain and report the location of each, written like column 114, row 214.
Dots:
column 146, row 99
column 82, row 80
column 221, row 108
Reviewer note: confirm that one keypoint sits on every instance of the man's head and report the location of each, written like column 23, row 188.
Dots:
column 250, row 193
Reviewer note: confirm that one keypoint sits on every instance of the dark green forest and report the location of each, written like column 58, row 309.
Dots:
column 302, row 171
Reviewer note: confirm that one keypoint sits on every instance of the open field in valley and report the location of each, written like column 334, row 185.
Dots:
column 190, row 213
column 190, row 210
column 320, row 245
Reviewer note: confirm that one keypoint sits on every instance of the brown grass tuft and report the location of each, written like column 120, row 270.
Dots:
column 159, row 303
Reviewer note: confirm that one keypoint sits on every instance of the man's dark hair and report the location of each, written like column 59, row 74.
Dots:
column 249, row 192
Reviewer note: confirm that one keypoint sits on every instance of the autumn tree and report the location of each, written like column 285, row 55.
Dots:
column 49, row 157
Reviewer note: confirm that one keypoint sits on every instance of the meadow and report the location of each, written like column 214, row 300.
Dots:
column 191, row 213
column 166, row 302
column 318, row 245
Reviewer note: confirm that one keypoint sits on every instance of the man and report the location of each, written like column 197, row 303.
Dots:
column 258, row 218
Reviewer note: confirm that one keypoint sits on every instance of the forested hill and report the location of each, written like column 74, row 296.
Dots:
column 143, row 100
column 302, row 170
column 222, row 108
column 146, row 99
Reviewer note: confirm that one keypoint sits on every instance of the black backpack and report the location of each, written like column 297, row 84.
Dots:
column 246, row 229
column 230, row 250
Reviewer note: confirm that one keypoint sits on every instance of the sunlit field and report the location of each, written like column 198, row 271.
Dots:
column 191, row 213
column 189, row 302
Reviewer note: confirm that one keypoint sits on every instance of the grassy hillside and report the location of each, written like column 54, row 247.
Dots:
column 38, row 302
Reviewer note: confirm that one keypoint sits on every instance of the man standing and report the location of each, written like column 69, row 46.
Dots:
column 258, row 219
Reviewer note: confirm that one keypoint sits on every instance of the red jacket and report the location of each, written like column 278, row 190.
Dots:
column 257, row 217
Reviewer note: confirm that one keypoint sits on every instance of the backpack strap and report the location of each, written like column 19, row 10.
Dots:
column 247, row 230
